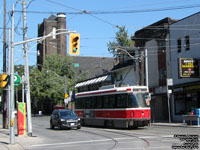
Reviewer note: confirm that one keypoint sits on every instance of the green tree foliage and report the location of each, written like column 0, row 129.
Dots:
column 47, row 86
column 122, row 40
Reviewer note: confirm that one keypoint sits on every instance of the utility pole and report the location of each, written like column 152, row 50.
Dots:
column 26, row 70
column 9, row 88
column 5, row 96
column 146, row 69
column 12, row 99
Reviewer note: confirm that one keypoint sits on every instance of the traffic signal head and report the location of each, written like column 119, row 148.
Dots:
column 74, row 44
column 4, row 80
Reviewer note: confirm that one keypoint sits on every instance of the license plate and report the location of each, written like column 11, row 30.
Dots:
column 72, row 124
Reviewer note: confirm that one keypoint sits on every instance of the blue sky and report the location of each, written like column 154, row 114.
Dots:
column 96, row 30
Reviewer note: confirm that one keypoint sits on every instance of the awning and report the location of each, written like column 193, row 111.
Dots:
column 94, row 81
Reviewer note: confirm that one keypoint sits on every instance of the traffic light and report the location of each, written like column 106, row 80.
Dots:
column 74, row 44
column 4, row 80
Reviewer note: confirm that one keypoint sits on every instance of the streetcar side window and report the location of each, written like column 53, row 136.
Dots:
column 99, row 101
column 79, row 103
column 87, row 103
column 93, row 102
column 112, row 101
column 121, row 100
column 132, row 101
column 106, row 103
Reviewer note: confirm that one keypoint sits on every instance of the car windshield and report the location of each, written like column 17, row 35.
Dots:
column 67, row 114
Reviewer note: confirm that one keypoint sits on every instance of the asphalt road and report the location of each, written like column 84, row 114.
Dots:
column 91, row 138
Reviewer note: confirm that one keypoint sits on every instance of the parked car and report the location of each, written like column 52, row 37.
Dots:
column 64, row 118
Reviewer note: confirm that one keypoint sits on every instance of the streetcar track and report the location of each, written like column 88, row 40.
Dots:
column 115, row 141
column 145, row 140
column 120, row 133
column 126, row 134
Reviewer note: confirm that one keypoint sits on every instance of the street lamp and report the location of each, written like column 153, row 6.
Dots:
column 64, row 78
column 146, row 61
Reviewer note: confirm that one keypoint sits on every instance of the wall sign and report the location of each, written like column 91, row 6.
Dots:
column 188, row 68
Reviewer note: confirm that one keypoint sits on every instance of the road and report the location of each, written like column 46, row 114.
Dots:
column 90, row 138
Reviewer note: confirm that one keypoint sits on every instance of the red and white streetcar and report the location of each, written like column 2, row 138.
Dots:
column 118, row 107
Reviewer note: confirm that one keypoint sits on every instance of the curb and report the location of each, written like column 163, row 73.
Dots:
column 174, row 125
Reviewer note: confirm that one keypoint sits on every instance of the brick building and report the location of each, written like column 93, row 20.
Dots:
column 52, row 45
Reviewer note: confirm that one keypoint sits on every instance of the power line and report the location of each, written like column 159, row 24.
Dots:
column 121, row 11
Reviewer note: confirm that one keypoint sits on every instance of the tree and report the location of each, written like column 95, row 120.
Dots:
column 122, row 40
column 47, row 85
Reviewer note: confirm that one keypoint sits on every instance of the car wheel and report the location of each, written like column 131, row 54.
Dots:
column 59, row 126
column 78, row 127
column 51, row 125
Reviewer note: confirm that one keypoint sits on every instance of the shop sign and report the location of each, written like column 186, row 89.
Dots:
column 188, row 68
column 193, row 87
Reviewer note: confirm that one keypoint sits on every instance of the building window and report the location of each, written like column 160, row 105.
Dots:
column 162, row 74
column 179, row 45
column 185, row 102
column 187, row 43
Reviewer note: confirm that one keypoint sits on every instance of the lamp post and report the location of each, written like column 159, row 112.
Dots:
column 64, row 79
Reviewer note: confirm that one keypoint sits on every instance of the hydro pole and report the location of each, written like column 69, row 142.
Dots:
column 26, row 71
column 12, row 113
column 5, row 93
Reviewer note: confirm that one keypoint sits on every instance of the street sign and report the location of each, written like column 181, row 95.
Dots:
column 76, row 65
column 169, row 82
column 17, row 80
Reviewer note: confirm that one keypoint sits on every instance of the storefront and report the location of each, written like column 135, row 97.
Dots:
column 185, row 99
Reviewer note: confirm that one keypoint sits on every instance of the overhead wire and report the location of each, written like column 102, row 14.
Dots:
column 84, row 12
column 121, row 11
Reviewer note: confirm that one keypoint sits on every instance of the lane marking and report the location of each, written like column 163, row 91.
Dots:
column 79, row 142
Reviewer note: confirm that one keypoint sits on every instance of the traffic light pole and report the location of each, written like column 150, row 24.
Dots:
column 26, row 71
column 12, row 114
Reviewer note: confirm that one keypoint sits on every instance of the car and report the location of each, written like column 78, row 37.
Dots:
column 64, row 118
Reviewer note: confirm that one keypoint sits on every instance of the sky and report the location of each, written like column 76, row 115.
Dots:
column 97, row 26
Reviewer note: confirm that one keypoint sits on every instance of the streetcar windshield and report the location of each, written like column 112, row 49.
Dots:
column 137, row 100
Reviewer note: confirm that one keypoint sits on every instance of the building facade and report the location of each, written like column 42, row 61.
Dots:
column 55, row 44
column 185, row 44
column 155, row 39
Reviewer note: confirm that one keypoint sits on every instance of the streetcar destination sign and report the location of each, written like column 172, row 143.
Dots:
column 188, row 67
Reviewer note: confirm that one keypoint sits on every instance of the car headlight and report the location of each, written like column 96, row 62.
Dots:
column 79, row 119
column 62, row 119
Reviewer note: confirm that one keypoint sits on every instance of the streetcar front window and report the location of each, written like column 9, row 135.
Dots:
column 137, row 100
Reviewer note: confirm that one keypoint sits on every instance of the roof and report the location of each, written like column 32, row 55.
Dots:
column 52, row 17
column 155, row 25
column 94, row 81
column 94, row 66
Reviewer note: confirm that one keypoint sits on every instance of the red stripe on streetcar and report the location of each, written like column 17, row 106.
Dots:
column 119, row 114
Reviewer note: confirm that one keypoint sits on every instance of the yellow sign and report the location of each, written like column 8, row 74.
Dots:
column 4, row 80
column 66, row 95
column 12, row 122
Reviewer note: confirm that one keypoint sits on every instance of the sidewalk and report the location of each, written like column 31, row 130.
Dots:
column 21, row 142
column 174, row 125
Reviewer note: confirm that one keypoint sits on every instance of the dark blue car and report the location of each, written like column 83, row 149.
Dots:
column 63, row 118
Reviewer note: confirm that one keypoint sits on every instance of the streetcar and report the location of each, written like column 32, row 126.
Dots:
column 116, row 107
